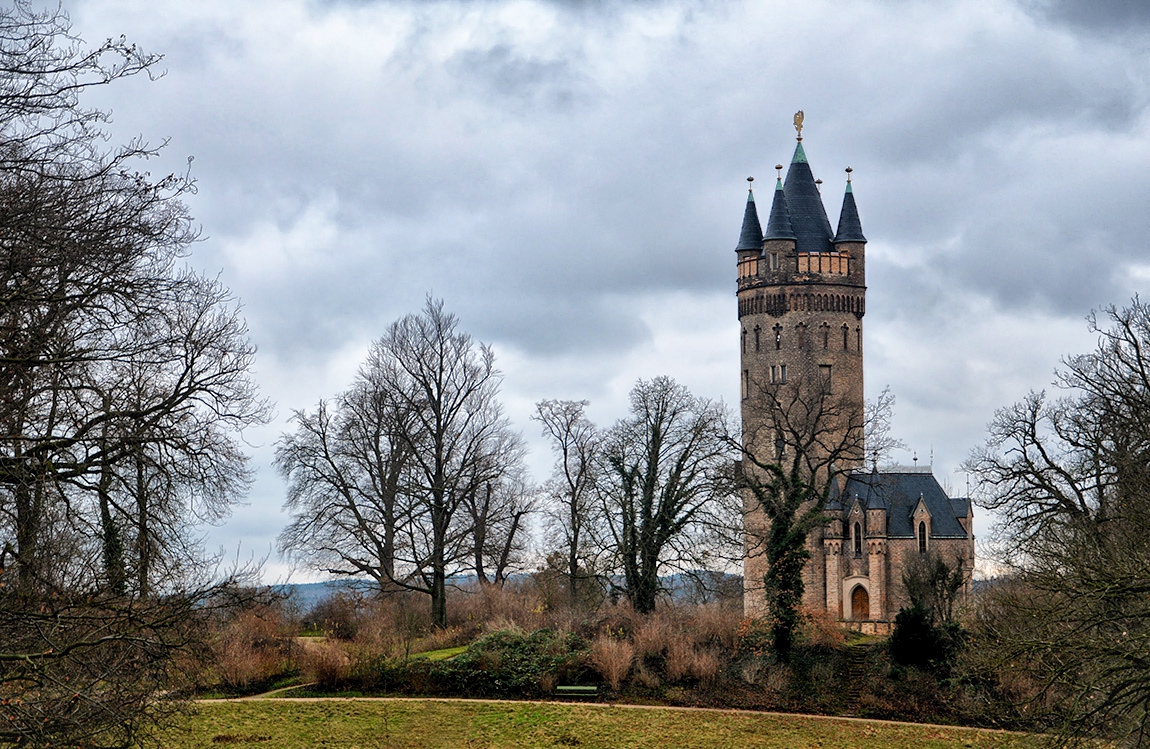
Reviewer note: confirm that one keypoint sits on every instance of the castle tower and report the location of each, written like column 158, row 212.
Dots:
column 801, row 299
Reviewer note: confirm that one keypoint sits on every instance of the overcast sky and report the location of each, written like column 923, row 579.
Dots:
column 569, row 178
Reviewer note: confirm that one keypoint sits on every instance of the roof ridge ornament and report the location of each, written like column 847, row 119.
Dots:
column 799, row 125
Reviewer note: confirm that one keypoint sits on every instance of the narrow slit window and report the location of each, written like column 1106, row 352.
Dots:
column 921, row 537
column 858, row 539
column 756, row 338
column 778, row 337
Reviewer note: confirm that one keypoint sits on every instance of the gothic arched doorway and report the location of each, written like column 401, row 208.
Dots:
column 860, row 603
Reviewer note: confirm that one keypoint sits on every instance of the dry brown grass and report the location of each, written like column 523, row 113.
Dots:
column 612, row 658
column 325, row 663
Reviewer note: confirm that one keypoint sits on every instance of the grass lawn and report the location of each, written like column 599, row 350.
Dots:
column 428, row 724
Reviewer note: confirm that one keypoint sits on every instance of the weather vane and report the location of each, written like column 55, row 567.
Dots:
column 799, row 123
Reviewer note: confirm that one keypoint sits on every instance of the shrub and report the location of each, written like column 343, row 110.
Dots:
column 338, row 616
column 252, row 648
column 612, row 658
column 821, row 629
column 917, row 642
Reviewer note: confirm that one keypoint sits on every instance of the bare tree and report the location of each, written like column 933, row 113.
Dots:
column 815, row 435
column 570, row 491
column 124, row 386
column 1070, row 477
column 426, row 483
column 666, row 487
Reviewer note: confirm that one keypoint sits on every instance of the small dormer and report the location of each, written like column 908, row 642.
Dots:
column 920, row 522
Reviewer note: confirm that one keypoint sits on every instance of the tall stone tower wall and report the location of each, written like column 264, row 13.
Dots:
column 801, row 300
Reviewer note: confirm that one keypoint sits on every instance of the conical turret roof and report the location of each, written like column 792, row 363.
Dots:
column 779, row 223
column 751, row 237
column 809, row 219
column 850, row 227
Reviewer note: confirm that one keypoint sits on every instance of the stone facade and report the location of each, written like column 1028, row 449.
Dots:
column 801, row 302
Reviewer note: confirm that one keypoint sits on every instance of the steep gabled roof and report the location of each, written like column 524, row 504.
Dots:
column 901, row 493
column 808, row 216
column 751, row 237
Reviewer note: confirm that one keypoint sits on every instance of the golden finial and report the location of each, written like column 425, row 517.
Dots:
column 799, row 124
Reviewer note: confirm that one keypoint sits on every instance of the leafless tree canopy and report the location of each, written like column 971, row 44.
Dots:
column 124, row 385
column 571, row 508
column 416, row 475
column 1070, row 476
column 666, row 487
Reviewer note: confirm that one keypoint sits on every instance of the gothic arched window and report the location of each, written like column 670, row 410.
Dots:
column 858, row 539
column 778, row 337
column 756, row 338
column 921, row 537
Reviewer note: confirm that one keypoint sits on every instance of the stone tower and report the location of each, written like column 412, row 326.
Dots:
column 801, row 299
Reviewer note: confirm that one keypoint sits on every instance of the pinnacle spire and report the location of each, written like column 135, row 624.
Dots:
column 850, row 227
column 779, row 223
column 751, row 236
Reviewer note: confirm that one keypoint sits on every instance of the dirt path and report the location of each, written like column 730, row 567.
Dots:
column 608, row 706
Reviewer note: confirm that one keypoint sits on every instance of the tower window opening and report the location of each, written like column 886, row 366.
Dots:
column 858, row 339
column 778, row 336
column 746, row 382
column 826, row 335
column 744, row 340
column 825, row 377
column 858, row 539
column 756, row 339
column 782, row 373
column 774, row 373
column 921, row 537
column 774, row 262
column 846, row 339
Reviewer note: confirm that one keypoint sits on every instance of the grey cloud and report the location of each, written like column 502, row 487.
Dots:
column 1096, row 15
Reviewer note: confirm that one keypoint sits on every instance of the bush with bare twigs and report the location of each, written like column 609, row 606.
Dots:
column 252, row 648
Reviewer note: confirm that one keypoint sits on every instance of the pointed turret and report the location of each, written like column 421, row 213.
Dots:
column 779, row 223
column 850, row 227
column 808, row 216
column 751, row 237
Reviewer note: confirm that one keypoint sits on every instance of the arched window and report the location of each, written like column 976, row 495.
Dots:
column 778, row 337
column 756, row 338
column 921, row 537
column 858, row 539
column 846, row 332
column 744, row 340
column 826, row 335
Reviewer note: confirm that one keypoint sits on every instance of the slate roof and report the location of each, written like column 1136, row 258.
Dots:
column 808, row 216
column 779, row 223
column 850, row 228
column 900, row 492
column 751, row 237
column 961, row 506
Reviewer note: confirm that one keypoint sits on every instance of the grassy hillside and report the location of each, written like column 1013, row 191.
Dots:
column 427, row 724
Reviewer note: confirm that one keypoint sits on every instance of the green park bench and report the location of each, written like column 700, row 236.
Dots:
column 581, row 692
